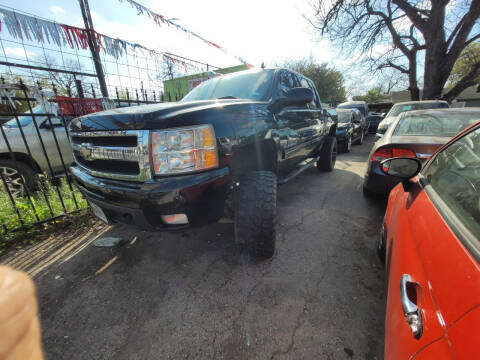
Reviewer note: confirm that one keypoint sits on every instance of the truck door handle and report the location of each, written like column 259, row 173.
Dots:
column 411, row 311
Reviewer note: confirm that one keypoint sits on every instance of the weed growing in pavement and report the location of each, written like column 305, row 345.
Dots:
column 12, row 229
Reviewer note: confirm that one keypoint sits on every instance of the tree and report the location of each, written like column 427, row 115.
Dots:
column 64, row 82
column 391, row 34
column 466, row 67
column 372, row 96
column 328, row 81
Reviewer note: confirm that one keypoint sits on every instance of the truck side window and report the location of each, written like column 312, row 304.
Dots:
column 315, row 104
column 285, row 83
column 316, row 98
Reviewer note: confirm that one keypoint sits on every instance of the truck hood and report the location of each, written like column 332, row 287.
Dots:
column 155, row 116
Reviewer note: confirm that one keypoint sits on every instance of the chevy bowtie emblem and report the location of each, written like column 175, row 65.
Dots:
column 86, row 151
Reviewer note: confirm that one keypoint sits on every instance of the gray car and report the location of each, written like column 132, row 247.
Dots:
column 414, row 134
column 398, row 108
column 33, row 162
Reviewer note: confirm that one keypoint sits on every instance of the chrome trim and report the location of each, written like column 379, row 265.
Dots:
column 424, row 155
column 138, row 154
column 93, row 152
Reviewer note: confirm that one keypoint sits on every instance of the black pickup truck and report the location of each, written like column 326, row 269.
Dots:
column 220, row 151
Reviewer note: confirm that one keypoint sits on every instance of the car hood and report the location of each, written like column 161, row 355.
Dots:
column 341, row 126
column 153, row 116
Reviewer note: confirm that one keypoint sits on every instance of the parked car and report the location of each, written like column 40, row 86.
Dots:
column 431, row 243
column 30, row 157
column 226, row 144
column 349, row 129
column 361, row 106
column 373, row 119
column 414, row 134
column 398, row 108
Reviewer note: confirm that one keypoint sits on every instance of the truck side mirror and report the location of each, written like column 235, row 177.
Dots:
column 297, row 96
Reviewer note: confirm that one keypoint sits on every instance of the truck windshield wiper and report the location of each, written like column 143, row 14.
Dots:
column 227, row 97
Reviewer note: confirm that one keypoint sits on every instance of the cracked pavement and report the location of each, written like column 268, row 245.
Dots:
column 190, row 295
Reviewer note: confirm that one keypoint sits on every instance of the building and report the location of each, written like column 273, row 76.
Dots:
column 469, row 97
column 175, row 89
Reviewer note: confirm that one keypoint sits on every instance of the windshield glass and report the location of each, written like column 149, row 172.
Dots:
column 25, row 119
column 399, row 108
column 344, row 116
column 254, row 85
column 354, row 106
column 435, row 124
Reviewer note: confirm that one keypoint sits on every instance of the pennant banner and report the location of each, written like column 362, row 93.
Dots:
column 159, row 19
column 25, row 27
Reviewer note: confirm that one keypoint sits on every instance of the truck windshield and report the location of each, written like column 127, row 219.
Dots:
column 253, row 85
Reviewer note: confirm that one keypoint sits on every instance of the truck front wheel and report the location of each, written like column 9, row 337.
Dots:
column 255, row 213
column 328, row 155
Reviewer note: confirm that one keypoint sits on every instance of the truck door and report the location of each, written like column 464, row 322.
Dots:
column 292, row 122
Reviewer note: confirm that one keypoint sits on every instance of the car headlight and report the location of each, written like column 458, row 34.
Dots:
column 184, row 150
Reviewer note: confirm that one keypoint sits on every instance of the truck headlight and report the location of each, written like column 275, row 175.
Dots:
column 183, row 150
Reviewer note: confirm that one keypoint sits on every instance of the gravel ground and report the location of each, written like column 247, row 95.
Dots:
column 191, row 295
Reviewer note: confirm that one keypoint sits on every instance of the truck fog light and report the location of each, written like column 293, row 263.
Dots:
column 175, row 219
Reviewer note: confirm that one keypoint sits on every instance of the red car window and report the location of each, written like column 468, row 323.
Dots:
column 454, row 175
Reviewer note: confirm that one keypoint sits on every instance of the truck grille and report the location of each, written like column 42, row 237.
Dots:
column 119, row 155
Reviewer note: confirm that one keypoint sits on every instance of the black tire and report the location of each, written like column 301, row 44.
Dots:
column 367, row 193
column 359, row 141
column 13, row 174
column 328, row 155
column 255, row 213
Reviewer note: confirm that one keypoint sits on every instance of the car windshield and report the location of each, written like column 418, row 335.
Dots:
column 359, row 107
column 253, row 85
column 344, row 116
column 435, row 124
column 24, row 120
column 399, row 108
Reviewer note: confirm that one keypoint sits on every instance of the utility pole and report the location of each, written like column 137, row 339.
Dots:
column 92, row 44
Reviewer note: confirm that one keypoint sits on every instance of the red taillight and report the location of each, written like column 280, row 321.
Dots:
column 403, row 153
column 387, row 153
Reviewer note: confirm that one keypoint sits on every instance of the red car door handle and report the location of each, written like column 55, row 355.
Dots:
column 412, row 313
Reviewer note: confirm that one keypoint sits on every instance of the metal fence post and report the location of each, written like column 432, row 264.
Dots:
column 92, row 44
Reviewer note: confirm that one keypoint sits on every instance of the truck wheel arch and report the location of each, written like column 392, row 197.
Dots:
column 256, row 156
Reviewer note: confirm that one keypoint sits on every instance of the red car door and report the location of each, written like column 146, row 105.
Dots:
column 433, row 235
column 403, row 262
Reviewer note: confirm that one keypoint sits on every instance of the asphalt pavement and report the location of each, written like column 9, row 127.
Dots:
column 191, row 295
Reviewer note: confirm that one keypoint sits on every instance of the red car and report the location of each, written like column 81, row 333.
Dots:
column 431, row 246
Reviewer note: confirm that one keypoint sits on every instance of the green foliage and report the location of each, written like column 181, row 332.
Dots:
column 12, row 229
column 329, row 82
column 372, row 96
column 469, row 57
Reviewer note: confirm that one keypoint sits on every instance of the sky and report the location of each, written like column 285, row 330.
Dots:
column 269, row 31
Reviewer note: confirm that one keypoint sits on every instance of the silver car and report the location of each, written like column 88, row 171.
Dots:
column 33, row 162
column 401, row 107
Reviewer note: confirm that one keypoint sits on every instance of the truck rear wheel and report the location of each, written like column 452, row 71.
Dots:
column 255, row 213
column 328, row 155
